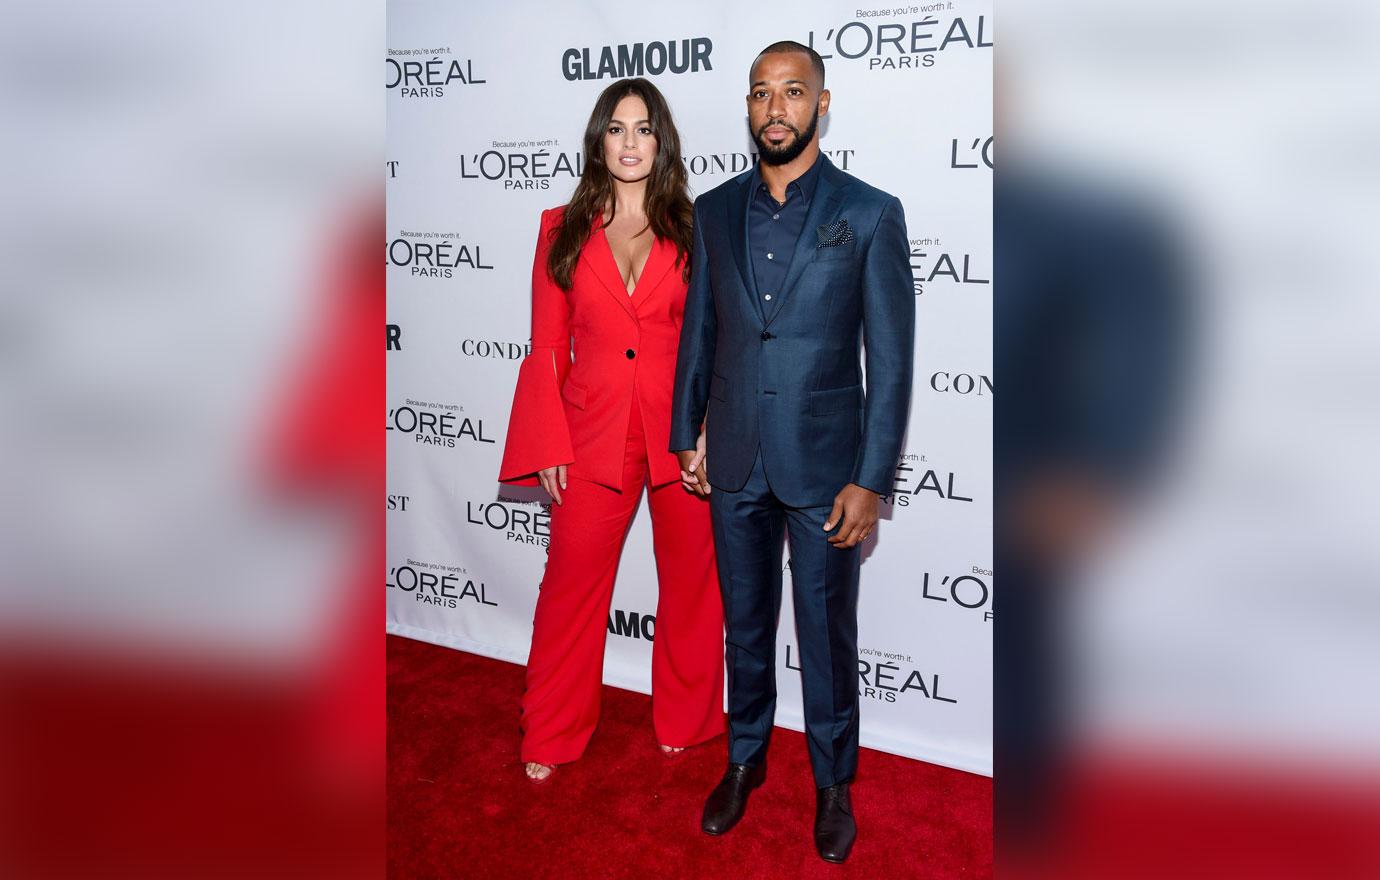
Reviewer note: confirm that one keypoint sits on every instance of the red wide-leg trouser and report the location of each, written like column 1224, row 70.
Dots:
column 565, row 667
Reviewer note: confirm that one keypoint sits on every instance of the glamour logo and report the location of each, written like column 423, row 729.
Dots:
column 942, row 484
column 975, row 154
column 632, row 625
column 439, row 255
column 888, row 677
column 484, row 348
column 961, row 383
column 519, row 523
column 445, row 586
column 927, row 267
column 430, row 78
column 896, row 45
column 638, row 59
column 520, row 170
column 394, row 337
column 398, row 502
column 969, row 591
column 433, row 428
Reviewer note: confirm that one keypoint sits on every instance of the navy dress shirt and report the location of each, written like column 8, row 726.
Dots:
column 774, row 227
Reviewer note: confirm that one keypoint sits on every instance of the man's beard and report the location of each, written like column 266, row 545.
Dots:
column 789, row 152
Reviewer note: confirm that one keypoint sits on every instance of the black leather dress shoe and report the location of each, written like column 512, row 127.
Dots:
column 728, row 800
column 835, row 829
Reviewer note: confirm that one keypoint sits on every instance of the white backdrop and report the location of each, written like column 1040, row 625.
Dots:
column 486, row 106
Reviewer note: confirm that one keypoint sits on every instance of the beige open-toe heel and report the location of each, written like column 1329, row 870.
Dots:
column 531, row 766
column 671, row 751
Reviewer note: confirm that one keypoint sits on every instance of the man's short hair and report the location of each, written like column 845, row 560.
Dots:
column 816, row 62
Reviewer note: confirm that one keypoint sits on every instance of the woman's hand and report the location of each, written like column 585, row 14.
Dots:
column 553, row 481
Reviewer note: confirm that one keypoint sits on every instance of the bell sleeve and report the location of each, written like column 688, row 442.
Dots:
column 538, row 436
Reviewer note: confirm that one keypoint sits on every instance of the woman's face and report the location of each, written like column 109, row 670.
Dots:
column 629, row 145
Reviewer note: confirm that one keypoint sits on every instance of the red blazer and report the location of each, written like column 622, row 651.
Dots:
column 577, row 413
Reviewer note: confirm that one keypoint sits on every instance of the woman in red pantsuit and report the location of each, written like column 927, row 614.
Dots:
column 609, row 282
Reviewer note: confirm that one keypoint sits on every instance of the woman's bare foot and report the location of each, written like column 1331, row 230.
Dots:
column 539, row 772
column 671, row 750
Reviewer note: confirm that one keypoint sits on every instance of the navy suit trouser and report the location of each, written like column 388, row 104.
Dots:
column 748, row 529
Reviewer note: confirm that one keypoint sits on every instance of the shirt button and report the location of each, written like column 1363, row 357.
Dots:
column 770, row 257
column 630, row 353
column 768, row 296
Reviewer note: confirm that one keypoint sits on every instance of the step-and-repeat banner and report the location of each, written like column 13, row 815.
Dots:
column 487, row 103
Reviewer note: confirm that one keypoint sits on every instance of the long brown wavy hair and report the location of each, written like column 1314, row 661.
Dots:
column 670, row 213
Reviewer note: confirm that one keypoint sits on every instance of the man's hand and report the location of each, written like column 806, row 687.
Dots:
column 552, row 479
column 855, row 513
column 694, row 471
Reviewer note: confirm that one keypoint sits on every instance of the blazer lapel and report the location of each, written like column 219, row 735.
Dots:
column 738, row 204
column 823, row 207
column 600, row 258
column 659, row 262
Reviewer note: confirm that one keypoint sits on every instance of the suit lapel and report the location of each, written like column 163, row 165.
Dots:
column 659, row 262
column 825, row 204
column 738, row 204
column 599, row 256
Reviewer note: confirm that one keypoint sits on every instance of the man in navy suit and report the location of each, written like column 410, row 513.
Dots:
column 796, row 265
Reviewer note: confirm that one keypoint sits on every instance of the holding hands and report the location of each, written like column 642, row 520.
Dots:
column 694, row 472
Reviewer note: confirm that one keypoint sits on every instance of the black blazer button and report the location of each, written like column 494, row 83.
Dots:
column 766, row 336
column 630, row 353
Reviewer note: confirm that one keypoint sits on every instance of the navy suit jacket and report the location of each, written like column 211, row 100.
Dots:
column 787, row 378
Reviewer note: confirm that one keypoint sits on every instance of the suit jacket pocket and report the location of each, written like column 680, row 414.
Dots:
column 574, row 394
column 838, row 252
column 718, row 387
column 835, row 400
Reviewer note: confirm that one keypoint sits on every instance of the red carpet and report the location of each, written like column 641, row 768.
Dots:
column 459, row 806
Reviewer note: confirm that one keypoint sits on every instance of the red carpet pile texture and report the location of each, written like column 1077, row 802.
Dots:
column 460, row 807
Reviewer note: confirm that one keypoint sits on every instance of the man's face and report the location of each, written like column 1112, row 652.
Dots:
column 784, row 103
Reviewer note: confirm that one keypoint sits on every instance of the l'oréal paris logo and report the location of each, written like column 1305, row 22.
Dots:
column 445, row 586
column 915, row 44
column 913, row 479
column 971, row 592
column 521, row 522
column 434, row 254
column 436, row 424
column 531, row 166
column 888, row 677
column 410, row 74
column 967, row 153
column 929, row 265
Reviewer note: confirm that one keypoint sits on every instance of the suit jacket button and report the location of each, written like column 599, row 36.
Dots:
column 766, row 336
column 630, row 353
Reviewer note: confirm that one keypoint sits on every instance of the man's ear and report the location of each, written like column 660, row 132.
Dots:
column 823, row 102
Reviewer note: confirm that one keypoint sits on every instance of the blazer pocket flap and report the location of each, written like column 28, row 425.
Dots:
column 835, row 400
column 574, row 394
column 718, row 387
